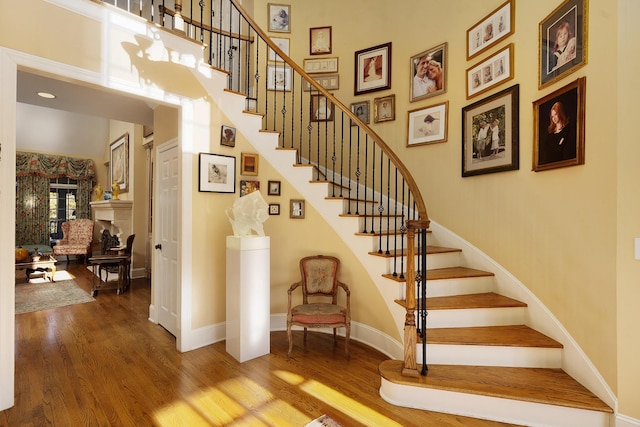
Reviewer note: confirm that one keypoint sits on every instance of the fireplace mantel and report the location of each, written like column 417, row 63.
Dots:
column 113, row 215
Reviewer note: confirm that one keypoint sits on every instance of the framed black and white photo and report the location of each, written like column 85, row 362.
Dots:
column 490, row 134
column 320, row 41
column 361, row 109
column 296, row 209
column 273, row 188
column 384, row 109
column 216, row 173
column 373, row 69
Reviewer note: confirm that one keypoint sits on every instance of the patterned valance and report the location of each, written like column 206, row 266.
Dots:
column 54, row 166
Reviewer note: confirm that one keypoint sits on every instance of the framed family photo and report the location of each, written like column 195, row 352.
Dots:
column 428, row 125
column 119, row 162
column 490, row 134
column 283, row 44
column 217, row 173
column 563, row 41
column 491, row 29
column 559, row 127
column 320, row 41
column 428, row 73
column 496, row 69
column 279, row 78
column 384, row 109
column 373, row 69
column 279, row 16
column 361, row 109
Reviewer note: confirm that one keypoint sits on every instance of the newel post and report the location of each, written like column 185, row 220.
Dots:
column 178, row 23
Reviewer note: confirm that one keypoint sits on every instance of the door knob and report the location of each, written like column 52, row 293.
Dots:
column 159, row 246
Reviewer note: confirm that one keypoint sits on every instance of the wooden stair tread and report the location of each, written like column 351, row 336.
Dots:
column 383, row 233
column 503, row 336
column 538, row 385
column 402, row 252
column 483, row 300
column 446, row 273
column 349, row 199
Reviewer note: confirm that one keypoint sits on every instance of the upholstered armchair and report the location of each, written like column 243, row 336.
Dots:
column 76, row 238
column 319, row 308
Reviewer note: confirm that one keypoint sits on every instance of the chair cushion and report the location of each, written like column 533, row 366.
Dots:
column 318, row 313
column 70, row 249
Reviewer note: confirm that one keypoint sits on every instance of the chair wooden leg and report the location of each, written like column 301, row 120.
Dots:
column 290, row 338
column 305, row 336
column 334, row 336
column 347, row 335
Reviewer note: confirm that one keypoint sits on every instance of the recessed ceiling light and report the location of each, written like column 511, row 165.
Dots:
column 46, row 95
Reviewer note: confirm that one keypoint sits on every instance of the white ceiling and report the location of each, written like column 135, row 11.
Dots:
column 76, row 122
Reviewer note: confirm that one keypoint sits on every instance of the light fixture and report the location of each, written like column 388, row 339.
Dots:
column 46, row 95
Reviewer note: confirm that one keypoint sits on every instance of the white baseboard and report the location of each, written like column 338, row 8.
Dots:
column 624, row 421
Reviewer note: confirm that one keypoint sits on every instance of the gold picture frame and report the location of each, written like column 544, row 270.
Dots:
column 249, row 164
column 384, row 109
column 119, row 162
column 491, row 29
column 296, row 209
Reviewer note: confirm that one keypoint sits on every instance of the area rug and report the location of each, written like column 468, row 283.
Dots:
column 45, row 295
column 324, row 421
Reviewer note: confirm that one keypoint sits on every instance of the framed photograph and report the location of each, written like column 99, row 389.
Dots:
column 279, row 78
column 496, row 69
column 217, row 173
column 274, row 188
column 360, row 109
column 274, row 208
column 119, row 162
column 296, row 209
column 428, row 73
column 490, row 134
column 249, row 164
column 384, row 109
column 558, row 121
column 373, row 69
column 279, row 16
column 320, row 65
column 327, row 81
column 320, row 41
column 248, row 186
column 428, row 125
column 228, row 136
column 563, row 41
column 283, row 44
column 492, row 28
column 322, row 110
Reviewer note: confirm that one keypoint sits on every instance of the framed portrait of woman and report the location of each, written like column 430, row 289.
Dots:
column 559, row 127
column 563, row 41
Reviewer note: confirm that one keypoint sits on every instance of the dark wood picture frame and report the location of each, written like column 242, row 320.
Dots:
column 373, row 69
column 320, row 41
column 273, row 188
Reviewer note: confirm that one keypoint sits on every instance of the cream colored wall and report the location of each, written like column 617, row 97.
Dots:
column 557, row 231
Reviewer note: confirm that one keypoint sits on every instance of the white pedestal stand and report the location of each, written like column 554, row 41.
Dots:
column 248, row 297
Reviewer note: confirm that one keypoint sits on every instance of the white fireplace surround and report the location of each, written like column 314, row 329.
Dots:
column 113, row 215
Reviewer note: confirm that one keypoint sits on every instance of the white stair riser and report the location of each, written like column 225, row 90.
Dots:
column 479, row 355
column 464, row 318
column 459, row 286
column 490, row 408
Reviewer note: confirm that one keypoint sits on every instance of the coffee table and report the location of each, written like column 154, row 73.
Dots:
column 46, row 264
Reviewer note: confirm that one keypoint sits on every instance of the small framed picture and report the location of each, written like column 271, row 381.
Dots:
column 119, row 162
column 274, row 208
column 296, row 209
column 278, row 78
column 559, row 127
column 428, row 125
column 428, row 77
column 491, row 29
column 279, row 16
column 320, row 41
column 274, row 188
column 249, row 164
column 217, row 173
column 248, row 186
column 384, row 109
column 361, row 109
column 563, row 41
column 321, row 109
column 320, row 65
column 373, row 69
column 327, row 81
column 228, row 136
column 496, row 69
column 283, row 45
column 490, row 134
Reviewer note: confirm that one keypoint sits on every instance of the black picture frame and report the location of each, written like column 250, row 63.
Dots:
column 216, row 173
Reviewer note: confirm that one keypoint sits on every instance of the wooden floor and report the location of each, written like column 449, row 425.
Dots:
column 103, row 363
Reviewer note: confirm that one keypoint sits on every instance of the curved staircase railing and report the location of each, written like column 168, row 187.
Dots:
column 343, row 151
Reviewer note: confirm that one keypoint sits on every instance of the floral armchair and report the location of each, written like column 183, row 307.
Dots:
column 77, row 236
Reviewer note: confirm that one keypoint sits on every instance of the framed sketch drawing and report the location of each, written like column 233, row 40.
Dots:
column 119, row 162
column 496, row 69
column 428, row 73
column 216, row 173
column 373, row 69
column 283, row 44
column 428, row 125
column 563, row 41
column 384, row 109
column 321, row 109
column 320, row 65
column 327, row 81
column 279, row 16
column 559, row 127
column 490, row 134
column 492, row 28
column 361, row 109
column 320, row 41
column 278, row 78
